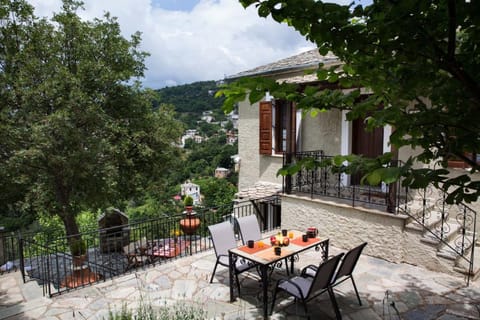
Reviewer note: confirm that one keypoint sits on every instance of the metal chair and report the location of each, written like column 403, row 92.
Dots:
column 250, row 230
column 345, row 270
column 305, row 288
column 223, row 239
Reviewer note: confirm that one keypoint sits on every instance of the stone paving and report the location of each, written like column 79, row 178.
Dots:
column 387, row 290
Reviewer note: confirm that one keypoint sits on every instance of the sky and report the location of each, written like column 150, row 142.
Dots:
column 194, row 40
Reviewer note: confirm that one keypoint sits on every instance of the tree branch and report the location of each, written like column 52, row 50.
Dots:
column 452, row 30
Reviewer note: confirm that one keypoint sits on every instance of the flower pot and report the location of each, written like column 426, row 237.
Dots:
column 78, row 261
column 189, row 224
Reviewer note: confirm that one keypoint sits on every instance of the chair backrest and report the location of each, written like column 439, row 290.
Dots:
column 324, row 275
column 349, row 262
column 223, row 237
column 249, row 228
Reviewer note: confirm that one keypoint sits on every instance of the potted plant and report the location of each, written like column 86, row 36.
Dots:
column 191, row 223
column 78, row 248
column 188, row 203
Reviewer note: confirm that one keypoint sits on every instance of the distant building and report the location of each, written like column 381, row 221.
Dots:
column 221, row 173
column 233, row 117
column 231, row 137
column 236, row 160
column 191, row 189
column 208, row 119
column 191, row 134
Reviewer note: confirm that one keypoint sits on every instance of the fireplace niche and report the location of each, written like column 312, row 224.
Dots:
column 114, row 230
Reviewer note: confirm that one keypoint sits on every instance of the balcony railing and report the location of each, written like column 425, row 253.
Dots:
column 325, row 182
column 158, row 240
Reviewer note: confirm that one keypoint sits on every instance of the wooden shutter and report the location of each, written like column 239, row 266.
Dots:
column 265, row 135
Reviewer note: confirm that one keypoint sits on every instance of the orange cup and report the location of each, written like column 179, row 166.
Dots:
column 290, row 235
column 260, row 244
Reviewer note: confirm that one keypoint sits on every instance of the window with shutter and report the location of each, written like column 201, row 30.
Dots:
column 265, row 128
column 277, row 127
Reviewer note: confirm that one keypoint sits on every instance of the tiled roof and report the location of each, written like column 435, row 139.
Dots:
column 305, row 60
column 259, row 190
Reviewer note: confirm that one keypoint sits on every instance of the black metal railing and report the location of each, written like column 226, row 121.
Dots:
column 454, row 226
column 327, row 181
column 122, row 249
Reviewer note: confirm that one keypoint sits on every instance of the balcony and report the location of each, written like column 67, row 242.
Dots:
column 325, row 183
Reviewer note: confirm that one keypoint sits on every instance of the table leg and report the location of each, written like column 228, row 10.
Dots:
column 231, row 275
column 264, row 270
column 325, row 250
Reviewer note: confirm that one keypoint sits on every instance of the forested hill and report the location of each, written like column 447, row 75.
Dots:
column 192, row 98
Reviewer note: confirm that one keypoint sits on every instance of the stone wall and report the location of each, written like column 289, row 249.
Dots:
column 253, row 166
column 347, row 227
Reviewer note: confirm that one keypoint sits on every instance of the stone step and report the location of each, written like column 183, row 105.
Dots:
column 462, row 265
column 427, row 222
column 416, row 210
column 453, row 250
column 435, row 234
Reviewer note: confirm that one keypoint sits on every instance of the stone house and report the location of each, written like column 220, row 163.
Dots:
column 272, row 133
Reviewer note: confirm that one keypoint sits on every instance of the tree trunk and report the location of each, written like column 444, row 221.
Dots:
column 71, row 227
column 63, row 199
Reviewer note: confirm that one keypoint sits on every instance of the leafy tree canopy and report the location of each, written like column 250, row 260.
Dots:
column 194, row 97
column 78, row 131
column 419, row 59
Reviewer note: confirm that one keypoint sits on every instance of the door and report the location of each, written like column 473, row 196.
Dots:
column 366, row 143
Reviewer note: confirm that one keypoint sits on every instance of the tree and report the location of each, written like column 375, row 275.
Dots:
column 419, row 59
column 216, row 192
column 78, row 131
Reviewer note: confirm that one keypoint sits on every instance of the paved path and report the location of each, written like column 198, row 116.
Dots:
column 415, row 292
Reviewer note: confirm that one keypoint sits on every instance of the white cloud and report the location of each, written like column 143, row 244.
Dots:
column 214, row 39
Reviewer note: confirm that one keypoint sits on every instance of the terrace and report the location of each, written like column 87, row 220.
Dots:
column 388, row 290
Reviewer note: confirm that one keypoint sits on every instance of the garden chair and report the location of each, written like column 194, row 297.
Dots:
column 223, row 239
column 250, row 230
column 135, row 253
column 304, row 288
column 345, row 270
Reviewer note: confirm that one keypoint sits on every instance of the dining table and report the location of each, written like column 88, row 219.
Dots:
column 263, row 254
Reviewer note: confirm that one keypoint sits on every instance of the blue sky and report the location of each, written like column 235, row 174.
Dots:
column 181, row 5
column 194, row 40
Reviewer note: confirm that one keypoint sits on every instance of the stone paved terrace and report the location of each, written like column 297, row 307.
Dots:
column 416, row 292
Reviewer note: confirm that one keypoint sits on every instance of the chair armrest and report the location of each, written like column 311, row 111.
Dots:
column 293, row 284
column 309, row 271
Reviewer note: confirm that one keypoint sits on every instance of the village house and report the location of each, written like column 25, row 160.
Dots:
column 272, row 133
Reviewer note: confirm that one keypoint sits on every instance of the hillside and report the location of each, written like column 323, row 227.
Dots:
column 192, row 98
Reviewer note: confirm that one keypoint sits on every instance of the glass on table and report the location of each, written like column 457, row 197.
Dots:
column 290, row 235
column 260, row 244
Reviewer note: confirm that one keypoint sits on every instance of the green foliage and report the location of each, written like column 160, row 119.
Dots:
column 78, row 131
column 87, row 220
column 216, row 192
column 203, row 158
column 49, row 229
column 188, row 201
column 191, row 98
column 78, row 247
column 419, row 60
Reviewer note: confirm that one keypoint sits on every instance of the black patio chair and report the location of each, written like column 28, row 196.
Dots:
column 223, row 239
column 345, row 270
column 250, row 230
column 305, row 288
